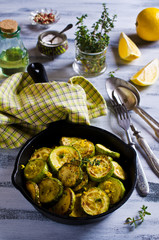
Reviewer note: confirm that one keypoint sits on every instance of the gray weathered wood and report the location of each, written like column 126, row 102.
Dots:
column 18, row 219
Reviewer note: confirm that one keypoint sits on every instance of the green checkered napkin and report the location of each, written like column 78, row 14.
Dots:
column 27, row 107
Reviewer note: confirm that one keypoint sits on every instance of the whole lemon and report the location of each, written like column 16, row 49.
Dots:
column 147, row 24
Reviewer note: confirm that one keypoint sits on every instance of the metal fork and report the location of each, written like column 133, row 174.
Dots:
column 123, row 118
column 124, row 122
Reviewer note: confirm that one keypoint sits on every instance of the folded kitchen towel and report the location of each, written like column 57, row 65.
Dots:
column 27, row 107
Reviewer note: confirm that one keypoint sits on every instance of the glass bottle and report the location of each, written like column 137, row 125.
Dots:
column 13, row 55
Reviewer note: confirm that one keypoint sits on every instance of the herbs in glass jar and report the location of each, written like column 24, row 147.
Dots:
column 91, row 44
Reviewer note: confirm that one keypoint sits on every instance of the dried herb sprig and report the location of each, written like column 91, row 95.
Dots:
column 136, row 221
column 97, row 39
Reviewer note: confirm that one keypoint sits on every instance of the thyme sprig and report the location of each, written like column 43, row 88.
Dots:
column 136, row 221
column 86, row 160
column 95, row 162
column 96, row 39
column 111, row 73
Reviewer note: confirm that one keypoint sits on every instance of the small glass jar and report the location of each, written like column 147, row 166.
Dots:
column 89, row 64
column 13, row 55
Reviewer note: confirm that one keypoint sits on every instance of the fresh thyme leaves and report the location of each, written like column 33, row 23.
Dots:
column 136, row 221
column 84, row 161
column 95, row 162
column 111, row 73
column 96, row 40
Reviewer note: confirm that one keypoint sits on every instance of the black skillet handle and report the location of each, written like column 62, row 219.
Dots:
column 37, row 72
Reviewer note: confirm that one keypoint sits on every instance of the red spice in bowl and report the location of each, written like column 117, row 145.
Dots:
column 44, row 17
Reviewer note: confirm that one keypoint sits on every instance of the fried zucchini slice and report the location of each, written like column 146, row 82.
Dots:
column 78, row 210
column 33, row 190
column 118, row 171
column 63, row 154
column 35, row 170
column 66, row 203
column 114, row 188
column 41, row 153
column 100, row 149
column 84, row 146
column 95, row 201
column 50, row 190
column 99, row 168
column 70, row 174
column 82, row 184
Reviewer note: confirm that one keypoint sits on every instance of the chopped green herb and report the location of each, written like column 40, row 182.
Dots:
column 95, row 162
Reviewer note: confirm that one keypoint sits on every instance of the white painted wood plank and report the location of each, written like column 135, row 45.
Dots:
column 18, row 219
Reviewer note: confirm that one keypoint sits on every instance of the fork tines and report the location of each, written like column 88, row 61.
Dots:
column 122, row 115
column 121, row 110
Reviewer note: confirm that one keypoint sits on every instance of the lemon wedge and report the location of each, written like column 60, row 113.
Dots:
column 127, row 49
column 147, row 75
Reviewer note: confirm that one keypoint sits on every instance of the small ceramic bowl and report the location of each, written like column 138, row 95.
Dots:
column 44, row 17
column 58, row 46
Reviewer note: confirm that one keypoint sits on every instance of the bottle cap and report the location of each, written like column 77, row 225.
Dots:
column 8, row 26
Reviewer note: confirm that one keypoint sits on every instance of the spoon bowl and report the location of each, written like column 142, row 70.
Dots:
column 127, row 97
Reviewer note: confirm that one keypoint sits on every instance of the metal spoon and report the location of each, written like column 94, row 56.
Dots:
column 131, row 102
column 69, row 26
column 131, row 98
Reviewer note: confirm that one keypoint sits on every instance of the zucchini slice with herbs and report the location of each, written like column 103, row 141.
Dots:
column 99, row 168
column 41, row 153
column 66, row 203
column 50, row 190
column 33, row 190
column 84, row 146
column 114, row 188
column 100, row 149
column 63, row 154
column 118, row 171
column 70, row 174
column 35, row 170
column 95, row 201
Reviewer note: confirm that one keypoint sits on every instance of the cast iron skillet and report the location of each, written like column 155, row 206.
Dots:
column 51, row 137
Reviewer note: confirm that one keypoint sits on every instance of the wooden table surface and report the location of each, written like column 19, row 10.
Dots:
column 18, row 219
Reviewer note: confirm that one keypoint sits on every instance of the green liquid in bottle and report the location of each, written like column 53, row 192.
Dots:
column 13, row 60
